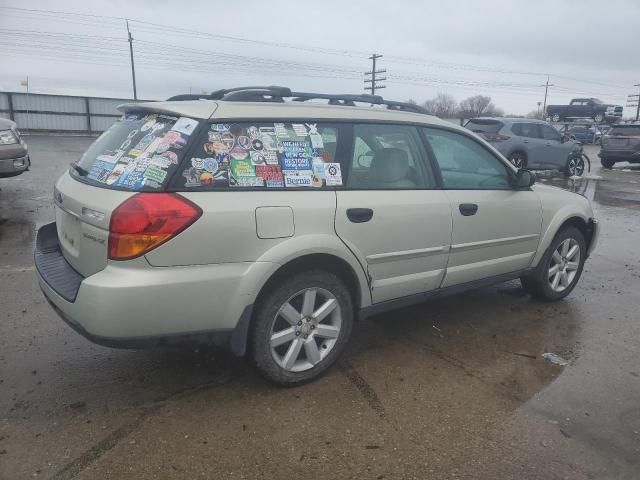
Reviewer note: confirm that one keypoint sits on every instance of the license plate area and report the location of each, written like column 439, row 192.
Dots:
column 68, row 231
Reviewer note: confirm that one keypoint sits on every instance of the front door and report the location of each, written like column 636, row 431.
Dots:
column 391, row 216
column 556, row 153
column 496, row 229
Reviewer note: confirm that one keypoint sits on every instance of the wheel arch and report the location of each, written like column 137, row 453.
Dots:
column 582, row 223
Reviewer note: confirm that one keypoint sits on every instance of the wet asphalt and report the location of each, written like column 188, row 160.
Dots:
column 455, row 388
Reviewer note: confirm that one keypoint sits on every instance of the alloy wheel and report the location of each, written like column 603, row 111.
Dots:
column 555, row 118
column 565, row 262
column 305, row 329
column 517, row 160
column 575, row 167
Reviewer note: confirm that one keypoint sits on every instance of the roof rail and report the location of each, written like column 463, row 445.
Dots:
column 278, row 94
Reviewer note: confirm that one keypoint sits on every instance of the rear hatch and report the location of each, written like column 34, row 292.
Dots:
column 139, row 153
column 487, row 128
column 622, row 137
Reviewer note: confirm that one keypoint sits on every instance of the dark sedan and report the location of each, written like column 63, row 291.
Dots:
column 14, row 157
column 621, row 144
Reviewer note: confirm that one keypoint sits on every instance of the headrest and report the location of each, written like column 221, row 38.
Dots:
column 390, row 165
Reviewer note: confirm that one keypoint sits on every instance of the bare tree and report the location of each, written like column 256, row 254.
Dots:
column 538, row 114
column 477, row 106
column 443, row 106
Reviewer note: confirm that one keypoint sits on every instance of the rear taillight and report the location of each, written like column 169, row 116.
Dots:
column 146, row 221
column 495, row 137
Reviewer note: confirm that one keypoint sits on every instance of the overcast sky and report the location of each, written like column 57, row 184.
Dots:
column 499, row 48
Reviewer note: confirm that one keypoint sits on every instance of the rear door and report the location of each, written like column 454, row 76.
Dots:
column 139, row 153
column 391, row 215
column 532, row 141
column 496, row 229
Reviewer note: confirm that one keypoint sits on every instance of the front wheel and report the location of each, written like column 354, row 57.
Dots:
column 560, row 267
column 575, row 166
column 301, row 328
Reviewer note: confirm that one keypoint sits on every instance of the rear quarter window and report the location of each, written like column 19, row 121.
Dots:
column 262, row 155
column 140, row 152
column 484, row 126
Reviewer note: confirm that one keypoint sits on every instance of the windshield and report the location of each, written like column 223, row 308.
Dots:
column 139, row 152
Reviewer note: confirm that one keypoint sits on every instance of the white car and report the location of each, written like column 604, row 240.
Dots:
column 265, row 221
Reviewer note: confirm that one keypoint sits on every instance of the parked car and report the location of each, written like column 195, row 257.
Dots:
column 269, row 225
column 584, row 134
column 14, row 157
column 621, row 144
column 528, row 143
column 585, row 108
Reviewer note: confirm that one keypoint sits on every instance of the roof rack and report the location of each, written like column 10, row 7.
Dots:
column 278, row 94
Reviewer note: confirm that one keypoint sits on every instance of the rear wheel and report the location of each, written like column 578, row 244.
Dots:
column 598, row 117
column 606, row 163
column 560, row 267
column 556, row 117
column 301, row 328
column 518, row 159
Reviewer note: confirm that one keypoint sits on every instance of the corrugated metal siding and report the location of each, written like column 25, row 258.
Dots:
column 100, row 124
column 45, row 121
column 33, row 102
column 23, row 101
column 106, row 105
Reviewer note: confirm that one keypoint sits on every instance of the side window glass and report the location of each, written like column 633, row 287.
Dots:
column 550, row 133
column 264, row 155
column 388, row 157
column 466, row 164
column 531, row 130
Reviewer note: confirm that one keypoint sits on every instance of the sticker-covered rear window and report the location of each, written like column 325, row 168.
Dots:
column 139, row 152
column 264, row 156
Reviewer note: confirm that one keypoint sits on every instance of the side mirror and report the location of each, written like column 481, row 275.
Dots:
column 524, row 178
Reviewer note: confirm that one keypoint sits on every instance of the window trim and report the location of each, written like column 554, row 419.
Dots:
column 511, row 174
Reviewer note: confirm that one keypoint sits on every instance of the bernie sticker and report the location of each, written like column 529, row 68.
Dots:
column 242, row 168
column 333, row 174
column 185, row 125
column 298, row 179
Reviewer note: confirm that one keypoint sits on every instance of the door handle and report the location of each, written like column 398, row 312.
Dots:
column 468, row 209
column 359, row 215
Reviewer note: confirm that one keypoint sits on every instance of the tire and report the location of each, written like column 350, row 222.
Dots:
column 540, row 283
column 555, row 118
column 606, row 163
column 279, row 331
column 575, row 166
column 518, row 159
column 598, row 117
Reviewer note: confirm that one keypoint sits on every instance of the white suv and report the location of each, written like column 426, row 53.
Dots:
column 265, row 221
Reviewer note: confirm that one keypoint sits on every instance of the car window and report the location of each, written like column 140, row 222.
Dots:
column 140, row 152
column 484, row 126
column 550, row 133
column 466, row 164
column 263, row 155
column 388, row 157
column 529, row 130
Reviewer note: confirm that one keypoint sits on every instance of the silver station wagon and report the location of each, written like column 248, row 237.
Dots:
column 269, row 221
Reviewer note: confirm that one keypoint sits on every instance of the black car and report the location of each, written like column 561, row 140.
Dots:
column 591, row 108
column 621, row 144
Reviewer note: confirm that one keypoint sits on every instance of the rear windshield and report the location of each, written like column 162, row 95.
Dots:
column 139, row 152
column 484, row 126
column 626, row 130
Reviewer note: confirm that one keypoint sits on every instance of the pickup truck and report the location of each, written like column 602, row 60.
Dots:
column 585, row 108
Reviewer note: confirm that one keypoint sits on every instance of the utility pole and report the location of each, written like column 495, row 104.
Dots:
column 373, row 80
column 133, row 68
column 546, row 91
column 636, row 98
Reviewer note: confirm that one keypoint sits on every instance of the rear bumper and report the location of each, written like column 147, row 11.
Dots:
column 620, row 155
column 129, row 305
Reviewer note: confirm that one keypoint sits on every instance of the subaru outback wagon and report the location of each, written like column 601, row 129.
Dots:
column 265, row 221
